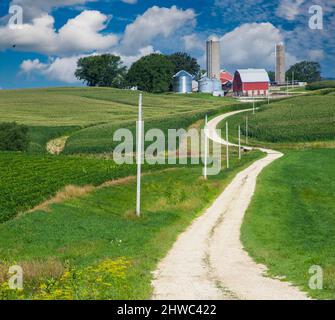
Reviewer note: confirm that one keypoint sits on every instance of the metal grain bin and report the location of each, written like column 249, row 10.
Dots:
column 182, row 82
column 206, row 85
column 217, row 86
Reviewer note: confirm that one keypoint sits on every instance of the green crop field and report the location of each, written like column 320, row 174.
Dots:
column 93, row 247
column 53, row 112
column 299, row 119
column 290, row 224
column 27, row 180
column 87, row 106
column 99, row 138
column 61, row 221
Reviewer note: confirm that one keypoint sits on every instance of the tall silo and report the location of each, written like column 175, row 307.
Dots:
column 280, row 63
column 213, row 57
column 182, row 82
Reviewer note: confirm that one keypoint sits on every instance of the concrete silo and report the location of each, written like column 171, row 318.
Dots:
column 213, row 58
column 182, row 82
column 280, row 63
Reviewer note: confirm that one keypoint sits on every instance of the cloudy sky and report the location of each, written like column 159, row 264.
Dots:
column 44, row 50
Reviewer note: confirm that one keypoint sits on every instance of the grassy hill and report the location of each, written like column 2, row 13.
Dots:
column 87, row 106
column 53, row 112
column 94, row 238
column 299, row 119
column 83, row 225
column 90, row 116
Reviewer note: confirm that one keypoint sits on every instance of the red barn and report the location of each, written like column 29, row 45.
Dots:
column 251, row 82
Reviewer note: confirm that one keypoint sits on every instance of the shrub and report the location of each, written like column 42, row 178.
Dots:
column 13, row 137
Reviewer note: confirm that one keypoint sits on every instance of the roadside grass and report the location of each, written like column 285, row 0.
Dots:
column 104, row 250
column 290, row 224
column 302, row 120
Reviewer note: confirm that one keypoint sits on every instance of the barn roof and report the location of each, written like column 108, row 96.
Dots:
column 253, row 75
column 225, row 77
column 182, row 73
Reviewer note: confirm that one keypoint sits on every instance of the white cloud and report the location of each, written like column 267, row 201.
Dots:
column 60, row 69
column 81, row 36
column 63, row 69
column 251, row 45
column 193, row 42
column 289, row 9
column 155, row 22
column 82, row 33
column 78, row 35
column 28, row 66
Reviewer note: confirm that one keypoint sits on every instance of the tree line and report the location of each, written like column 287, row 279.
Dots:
column 152, row 73
column 304, row 71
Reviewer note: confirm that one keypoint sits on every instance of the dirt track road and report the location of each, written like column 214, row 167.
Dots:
column 208, row 260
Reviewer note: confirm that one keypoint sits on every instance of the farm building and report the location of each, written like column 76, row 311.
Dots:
column 251, row 82
column 208, row 85
column 225, row 77
column 226, row 80
column 182, row 82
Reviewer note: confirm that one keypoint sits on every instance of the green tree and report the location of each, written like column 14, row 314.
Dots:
column 104, row 70
column 272, row 76
column 151, row 73
column 307, row 71
column 183, row 61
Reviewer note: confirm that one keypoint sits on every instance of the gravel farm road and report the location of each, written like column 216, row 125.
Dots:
column 208, row 261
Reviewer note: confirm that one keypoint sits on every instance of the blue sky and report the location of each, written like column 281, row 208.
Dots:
column 55, row 33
